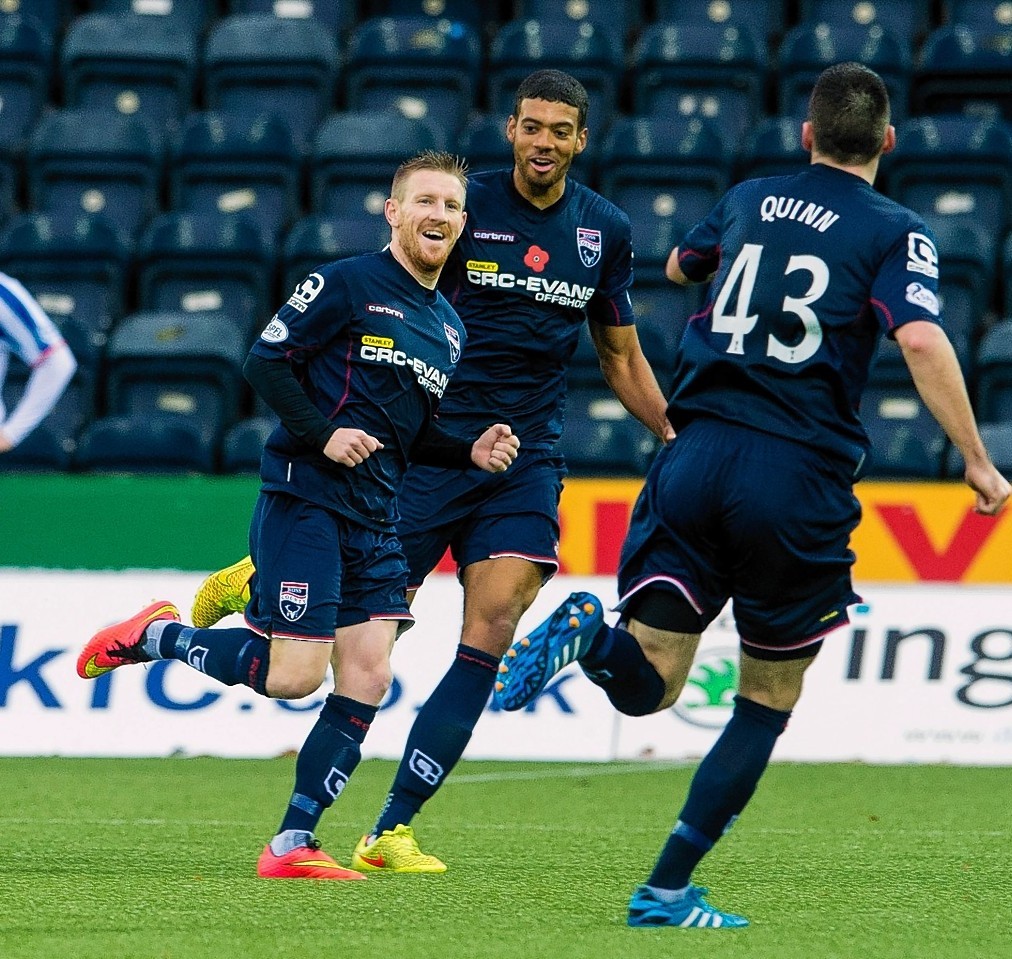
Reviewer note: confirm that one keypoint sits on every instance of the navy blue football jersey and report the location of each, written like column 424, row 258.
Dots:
column 374, row 350
column 810, row 271
column 523, row 281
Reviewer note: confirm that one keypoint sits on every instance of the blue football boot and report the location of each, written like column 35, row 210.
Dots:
column 691, row 911
column 560, row 640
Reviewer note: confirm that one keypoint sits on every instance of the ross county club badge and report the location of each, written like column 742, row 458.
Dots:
column 588, row 242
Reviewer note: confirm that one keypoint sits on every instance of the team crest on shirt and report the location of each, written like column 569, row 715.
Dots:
column 588, row 242
column 293, row 600
column 453, row 338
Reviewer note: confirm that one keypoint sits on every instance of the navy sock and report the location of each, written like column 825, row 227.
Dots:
column 326, row 760
column 724, row 782
column 234, row 657
column 440, row 734
column 615, row 662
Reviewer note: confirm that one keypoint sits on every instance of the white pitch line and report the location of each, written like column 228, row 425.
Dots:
column 577, row 772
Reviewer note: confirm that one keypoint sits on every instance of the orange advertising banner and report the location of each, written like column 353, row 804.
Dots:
column 909, row 532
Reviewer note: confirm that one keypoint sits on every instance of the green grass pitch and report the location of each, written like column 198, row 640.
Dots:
column 154, row 859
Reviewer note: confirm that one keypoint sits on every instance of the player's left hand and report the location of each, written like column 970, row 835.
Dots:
column 5, row 444
column 495, row 449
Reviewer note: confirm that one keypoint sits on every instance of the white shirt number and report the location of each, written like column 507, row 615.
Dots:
column 740, row 323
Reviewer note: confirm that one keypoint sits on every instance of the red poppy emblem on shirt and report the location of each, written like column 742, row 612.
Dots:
column 537, row 259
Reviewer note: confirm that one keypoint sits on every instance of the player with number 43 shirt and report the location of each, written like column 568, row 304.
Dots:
column 853, row 265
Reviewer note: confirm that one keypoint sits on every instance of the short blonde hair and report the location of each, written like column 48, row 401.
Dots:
column 437, row 160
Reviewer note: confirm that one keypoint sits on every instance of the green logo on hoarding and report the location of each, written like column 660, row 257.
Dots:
column 709, row 691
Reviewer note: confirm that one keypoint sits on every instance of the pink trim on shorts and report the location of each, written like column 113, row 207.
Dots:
column 301, row 639
column 661, row 579
column 545, row 560
column 805, row 642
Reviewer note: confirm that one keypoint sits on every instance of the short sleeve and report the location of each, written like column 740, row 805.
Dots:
column 906, row 286
column 699, row 251
column 317, row 311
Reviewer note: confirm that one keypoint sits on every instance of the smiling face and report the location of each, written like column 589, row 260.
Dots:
column 546, row 138
column 426, row 216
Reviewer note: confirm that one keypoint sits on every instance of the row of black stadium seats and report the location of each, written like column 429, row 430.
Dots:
column 664, row 173
column 189, row 364
column 765, row 17
column 596, row 442
column 79, row 269
column 85, row 160
column 147, row 66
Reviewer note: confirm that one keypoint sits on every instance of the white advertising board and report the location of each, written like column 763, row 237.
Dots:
column 922, row 674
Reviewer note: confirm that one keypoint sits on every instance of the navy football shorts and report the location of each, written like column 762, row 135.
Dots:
column 481, row 515
column 731, row 513
column 317, row 571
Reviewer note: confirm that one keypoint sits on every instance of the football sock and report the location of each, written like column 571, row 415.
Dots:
column 440, row 734
column 290, row 839
column 232, row 656
column 615, row 661
column 724, row 782
column 326, row 761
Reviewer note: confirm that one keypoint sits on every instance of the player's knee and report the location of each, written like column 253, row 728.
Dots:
column 493, row 631
column 377, row 681
column 293, row 682
column 367, row 682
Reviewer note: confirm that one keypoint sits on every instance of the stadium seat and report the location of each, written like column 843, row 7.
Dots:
column 41, row 451
column 315, row 240
column 810, row 48
column 479, row 16
column 26, row 59
column 700, row 70
column 955, row 167
column 601, row 439
column 907, row 20
column 997, row 439
column 48, row 14
column 386, row 56
column 589, row 52
column 980, row 14
column 145, row 443
column 652, row 166
column 483, row 143
column 906, row 441
column 137, row 65
column 74, row 266
column 994, row 374
column 967, row 263
column 237, row 164
column 206, row 262
column 11, row 155
column 192, row 15
column 186, row 364
column 335, row 15
column 662, row 308
column 1005, row 273
column 764, row 19
column 772, row 148
column 244, row 444
column 94, row 161
column 622, row 16
column 354, row 157
column 965, row 70
column 262, row 64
